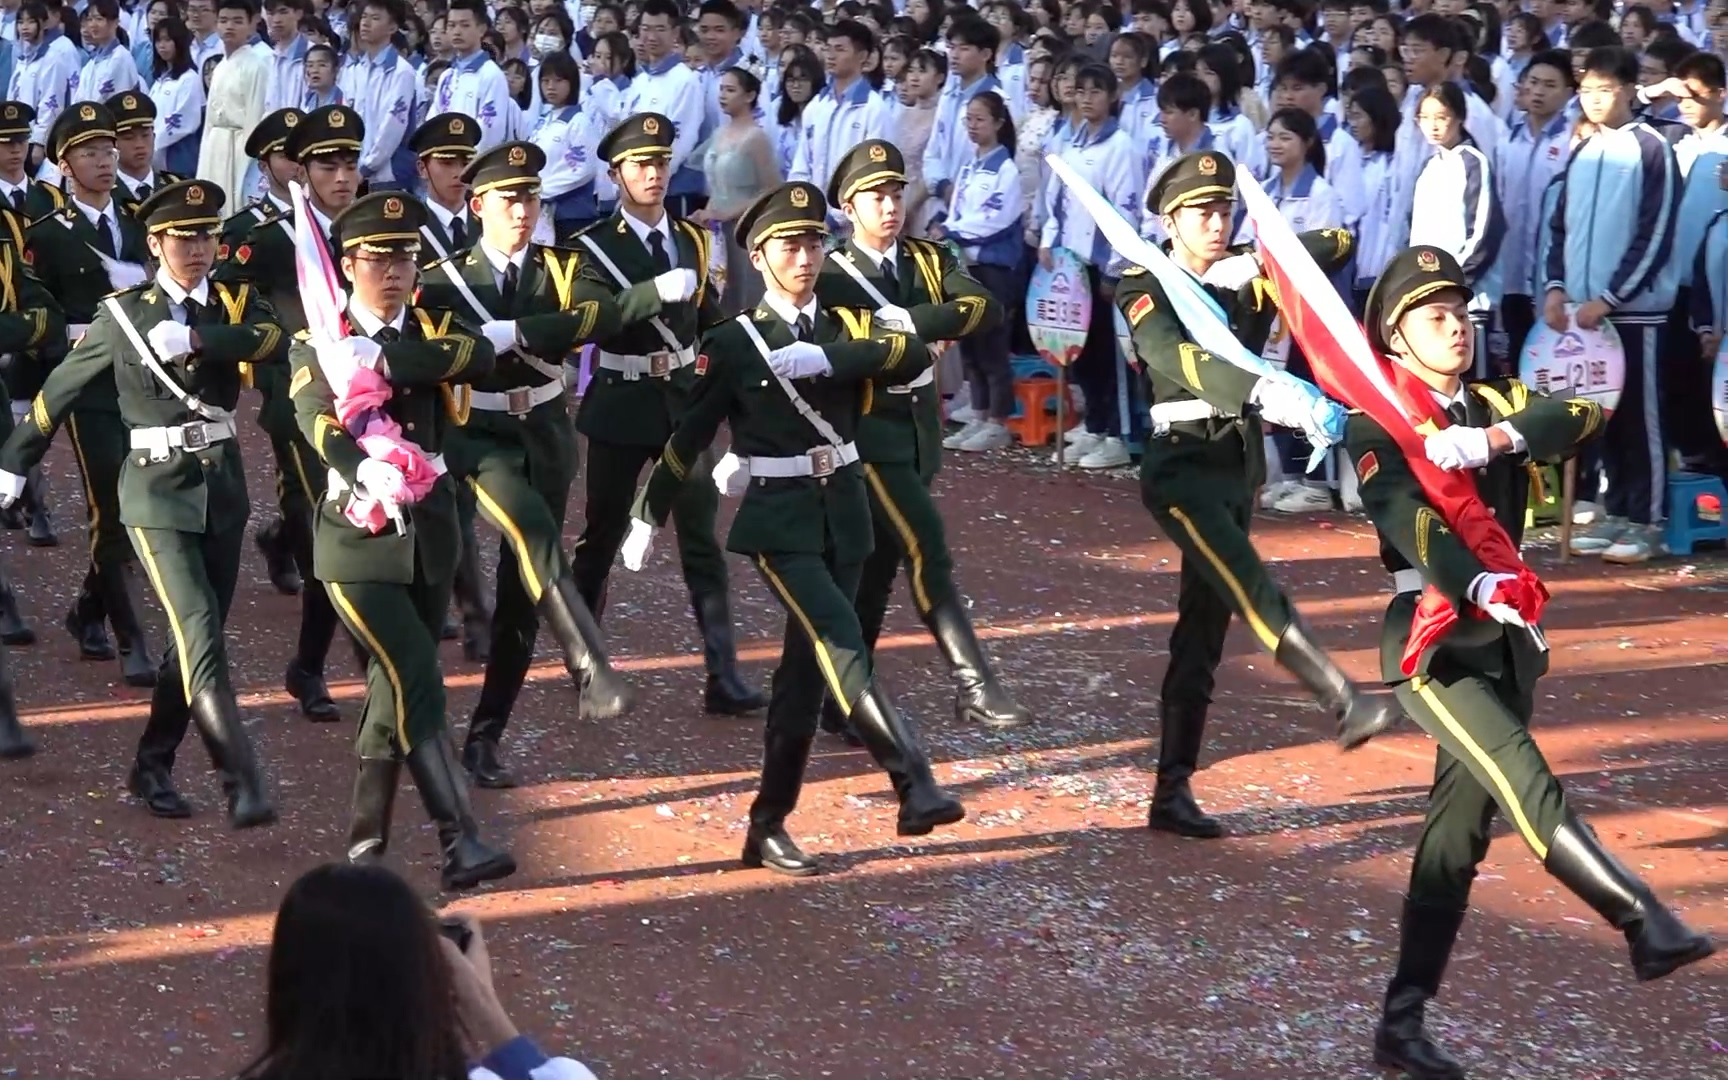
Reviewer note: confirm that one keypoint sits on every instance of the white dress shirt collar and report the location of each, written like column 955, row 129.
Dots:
column 369, row 323
column 642, row 229
column 782, row 307
column 891, row 256
column 445, row 215
column 176, row 295
column 499, row 260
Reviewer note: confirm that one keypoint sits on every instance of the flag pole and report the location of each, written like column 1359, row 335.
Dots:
column 1568, row 492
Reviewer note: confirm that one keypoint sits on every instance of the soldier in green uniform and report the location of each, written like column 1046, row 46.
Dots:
column 326, row 145
column 645, row 374
column 790, row 377
column 392, row 586
column 82, row 252
column 22, row 200
column 172, row 346
column 920, row 286
column 135, row 139
column 1202, row 465
column 444, row 146
column 1476, row 689
column 267, row 145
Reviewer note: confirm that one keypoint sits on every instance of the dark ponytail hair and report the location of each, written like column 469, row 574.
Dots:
column 992, row 101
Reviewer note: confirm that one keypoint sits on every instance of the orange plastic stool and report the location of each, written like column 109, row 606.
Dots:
column 1035, row 425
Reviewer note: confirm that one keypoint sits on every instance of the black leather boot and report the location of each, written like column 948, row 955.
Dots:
column 36, row 517
column 480, row 755
column 833, row 721
column 278, row 552
column 982, row 699
column 374, row 798
column 1182, row 731
column 605, row 694
column 13, row 629
column 123, row 598
column 1661, row 943
column 923, row 804
column 1400, row 1042
column 726, row 693
column 1361, row 714
column 14, row 743
column 151, row 778
column 767, row 844
column 470, row 594
column 217, row 715
column 468, row 860
column 86, row 620
column 312, row 692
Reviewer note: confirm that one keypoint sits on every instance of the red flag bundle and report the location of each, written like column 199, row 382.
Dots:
column 1346, row 367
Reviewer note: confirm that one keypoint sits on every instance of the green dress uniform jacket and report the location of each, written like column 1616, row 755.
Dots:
column 437, row 243
column 124, row 196
column 904, row 424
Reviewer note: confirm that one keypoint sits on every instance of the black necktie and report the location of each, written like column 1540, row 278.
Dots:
column 143, row 192
column 18, row 199
column 194, row 312
column 387, row 334
column 890, row 279
column 458, row 233
column 1457, row 414
column 512, row 277
column 803, row 328
column 657, row 249
column 105, row 236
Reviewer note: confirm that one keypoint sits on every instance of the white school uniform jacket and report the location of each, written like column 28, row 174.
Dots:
column 833, row 124
column 986, row 208
column 382, row 90
column 1343, row 168
column 1523, row 166
column 949, row 147
column 1413, row 149
column 288, row 76
column 476, row 86
column 569, row 138
column 1238, row 139
column 674, row 89
column 109, row 71
column 45, row 76
column 179, row 110
column 1460, row 212
column 1375, row 228
column 1164, row 151
column 1139, row 115
column 1109, row 160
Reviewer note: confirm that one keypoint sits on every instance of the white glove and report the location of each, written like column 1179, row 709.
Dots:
column 502, row 334
column 356, row 351
column 123, row 275
column 1458, row 447
column 11, row 489
column 1232, row 273
column 895, row 317
column 732, row 475
column 380, row 480
column 799, row 360
column 1481, row 592
column 638, row 544
column 675, row 286
column 1281, row 402
column 170, row 339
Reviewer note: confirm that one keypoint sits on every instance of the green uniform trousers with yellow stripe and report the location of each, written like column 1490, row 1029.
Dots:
column 908, row 530
column 1486, row 762
column 611, row 482
column 100, row 442
column 1222, row 575
column 823, row 648
column 399, row 627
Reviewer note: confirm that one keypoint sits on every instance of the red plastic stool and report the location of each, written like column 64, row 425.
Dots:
column 1035, row 422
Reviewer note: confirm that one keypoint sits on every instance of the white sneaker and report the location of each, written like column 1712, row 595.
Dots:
column 1275, row 490
column 963, row 414
column 1079, row 447
column 991, row 435
column 1110, row 453
column 1304, row 500
column 1637, row 544
column 953, row 441
column 1599, row 537
column 1076, row 433
column 1586, row 513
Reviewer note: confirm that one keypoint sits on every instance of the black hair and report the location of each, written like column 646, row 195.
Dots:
column 1558, row 59
column 395, row 9
column 1306, row 67
column 747, row 80
column 1451, row 95
column 335, row 57
column 617, row 42
column 561, row 65
column 1199, row 10
column 516, row 17
column 1613, row 61
column 1669, row 50
column 1222, row 60
column 1431, row 29
column 1480, row 77
column 976, row 31
column 993, row 101
column 850, row 29
column 1185, row 92
column 1180, row 62
column 561, row 19
column 1375, row 55
column 1535, row 35
column 726, row 9
column 177, row 32
column 1594, row 34
column 674, row 17
column 805, row 61
column 1101, row 76
column 1703, row 67
column 1384, row 116
column 1489, row 39
column 1363, row 76
column 476, row 8
column 1301, row 125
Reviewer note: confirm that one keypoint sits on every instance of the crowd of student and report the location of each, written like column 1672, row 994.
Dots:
column 1568, row 154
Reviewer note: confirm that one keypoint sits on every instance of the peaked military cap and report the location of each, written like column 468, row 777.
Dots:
column 1414, row 276
column 15, row 120
column 514, row 164
column 871, row 163
column 1201, row 177
column 79, row 123
column 447, row 135
column 334, row 129
column 645, row 135
column 789, row 210
column 271, row 134
column 386, row 222
column 186, row 208
column 131, row 109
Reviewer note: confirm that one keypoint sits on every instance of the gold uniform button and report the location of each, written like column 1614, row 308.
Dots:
column 143, row 461
column 207, row 463
column 409, row 425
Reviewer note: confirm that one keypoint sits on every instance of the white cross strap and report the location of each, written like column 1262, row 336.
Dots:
column 805, row 409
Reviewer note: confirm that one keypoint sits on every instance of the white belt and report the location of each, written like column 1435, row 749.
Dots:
column 925, row 378
column 518, row 402
column 74, row 331
column 1407, row 580
column 197, row 435
column 1166, row 413
column 657, row 365
column 821, row 461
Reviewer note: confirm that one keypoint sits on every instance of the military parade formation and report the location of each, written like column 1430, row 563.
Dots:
column 136, row 320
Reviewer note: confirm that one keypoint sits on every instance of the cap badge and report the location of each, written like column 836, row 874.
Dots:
column 1427, row 262
column 88, row 112
column 650, row 126
column 195, row 195
column 291, row 120
column 1208, row 165
column 517, row 156
column 393, row 209
column 457, row 126
column 878, row 153
column 800, row 198
column 338, row 119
